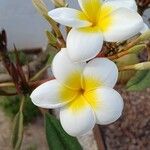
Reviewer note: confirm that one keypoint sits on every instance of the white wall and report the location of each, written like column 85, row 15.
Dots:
column 24, row 26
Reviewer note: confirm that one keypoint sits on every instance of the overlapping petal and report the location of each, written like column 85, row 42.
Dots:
column 125, row 24
column 100, row 72
column 66, row 71
column 84, row 44
column 115, row 4
column 91, row 8
column 108, row 106
column 77, row 117
column 69, row 17
column 110, row 20
column 52, row 95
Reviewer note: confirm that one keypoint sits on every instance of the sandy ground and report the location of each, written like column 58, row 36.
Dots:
column 34, row 137
column 131, row 132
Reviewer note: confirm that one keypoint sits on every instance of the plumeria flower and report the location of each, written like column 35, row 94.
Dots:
column 98, row 21
column 83, row 92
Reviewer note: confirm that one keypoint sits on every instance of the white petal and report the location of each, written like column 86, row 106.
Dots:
column 145, row 29
column 100, row 72
column 109, row 105
column 84, row 44
column 125, row 24
column 51, row 95
column 77, row 118
column 90, row 8
column 115, row 4
column 69, row 17
column 67, row 72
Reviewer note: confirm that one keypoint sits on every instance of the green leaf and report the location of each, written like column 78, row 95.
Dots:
column 57, row 138
column 145, row 36
column 140, row 81
column 41, row 7
column 52, row 52
column 17, row 134
column 126, row 60
column 43, row 10
column 59, row 3
column 50, row 58
column 22, row 57
column 137, row 48
column 51, row 38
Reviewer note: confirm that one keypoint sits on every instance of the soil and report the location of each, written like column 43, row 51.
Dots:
column 132, row 131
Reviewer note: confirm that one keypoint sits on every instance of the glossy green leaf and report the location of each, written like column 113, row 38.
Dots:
column 17, row 134
column 57, row 138
column 140, row 81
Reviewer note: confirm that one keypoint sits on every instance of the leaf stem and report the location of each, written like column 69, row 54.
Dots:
column 38, row 74
column 8, row 84
column 22, row 103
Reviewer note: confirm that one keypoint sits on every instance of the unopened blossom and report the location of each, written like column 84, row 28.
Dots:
column 83, row 92
column 97, row 21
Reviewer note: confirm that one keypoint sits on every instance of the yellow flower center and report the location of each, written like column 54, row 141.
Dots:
column 97, row 14
column 82, row 90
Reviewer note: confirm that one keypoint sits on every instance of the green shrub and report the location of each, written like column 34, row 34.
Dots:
column 11, row 105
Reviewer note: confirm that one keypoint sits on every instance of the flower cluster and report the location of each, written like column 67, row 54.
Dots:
column 84, row 90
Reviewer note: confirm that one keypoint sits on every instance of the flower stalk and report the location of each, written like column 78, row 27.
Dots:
column 40, row 73
column 134, row 49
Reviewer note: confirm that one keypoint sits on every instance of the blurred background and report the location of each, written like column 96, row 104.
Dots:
column 26, row 28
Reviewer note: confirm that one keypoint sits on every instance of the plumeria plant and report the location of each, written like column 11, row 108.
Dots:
column 102, row 45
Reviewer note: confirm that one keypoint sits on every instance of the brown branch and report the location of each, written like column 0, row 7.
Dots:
column 98, row 137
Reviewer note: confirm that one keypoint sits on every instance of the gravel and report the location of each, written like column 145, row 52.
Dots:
column 132, row 131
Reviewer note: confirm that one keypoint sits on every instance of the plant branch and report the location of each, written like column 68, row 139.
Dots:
column 7, row 84
column 42, row 9
column 22, row 103
column 134, row 49
column 38, row 74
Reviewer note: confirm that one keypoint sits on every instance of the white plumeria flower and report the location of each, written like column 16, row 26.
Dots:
column 83, row 92
column 98, row 21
